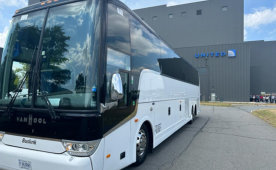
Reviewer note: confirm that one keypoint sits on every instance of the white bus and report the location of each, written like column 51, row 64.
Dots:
column 86, row 84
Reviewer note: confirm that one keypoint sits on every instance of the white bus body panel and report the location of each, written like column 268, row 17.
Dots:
column 159, row 93
column 98, row 157
column 10, row 157
column 116, row 143
column 155, row 87
column 40, row 144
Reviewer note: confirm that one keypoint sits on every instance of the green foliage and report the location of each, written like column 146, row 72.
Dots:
column 54, row 45
column 24, row 42
column 14, row 81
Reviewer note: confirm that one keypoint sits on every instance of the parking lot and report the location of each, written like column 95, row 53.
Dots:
column 220, row 138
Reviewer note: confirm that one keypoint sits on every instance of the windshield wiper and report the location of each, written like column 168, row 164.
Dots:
column 49, row 105
column 20, row 87
column 17, row 91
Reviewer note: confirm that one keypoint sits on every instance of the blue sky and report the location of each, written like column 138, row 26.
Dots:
column 260, row 16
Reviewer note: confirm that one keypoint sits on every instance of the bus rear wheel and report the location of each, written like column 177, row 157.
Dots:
column 142, row 145
column 193, row 116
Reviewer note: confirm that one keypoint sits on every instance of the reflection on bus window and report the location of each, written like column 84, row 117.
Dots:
column 117, row 61
column 19, row 70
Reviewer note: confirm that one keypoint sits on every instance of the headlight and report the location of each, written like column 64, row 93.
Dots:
column 81, row 149
column 1, row 135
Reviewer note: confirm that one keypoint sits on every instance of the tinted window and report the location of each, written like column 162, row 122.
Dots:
column 118, row 29
column 179, row 69
column 145, row 48
column 118, row 51
column 148, row 52
column 69, row 56
column 117, row 62
column 118, row 59
column 199, row 12
column 173, row 66
column 18, row 55
column 166, row 52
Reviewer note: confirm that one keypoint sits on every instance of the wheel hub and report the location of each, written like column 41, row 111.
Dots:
column 141, row 142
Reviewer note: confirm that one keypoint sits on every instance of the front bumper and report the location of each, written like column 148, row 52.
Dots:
column 10, row 157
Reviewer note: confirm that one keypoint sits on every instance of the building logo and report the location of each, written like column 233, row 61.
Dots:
column 231, row 53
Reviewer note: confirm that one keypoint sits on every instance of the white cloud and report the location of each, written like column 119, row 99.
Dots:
column 262, row 16
column 143, row 46
column 173, row 3
column 3, row 36
column 14, row 3
column 4, row 18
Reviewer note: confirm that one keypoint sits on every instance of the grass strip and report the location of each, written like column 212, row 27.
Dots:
column 218, row 104
column 267, row 115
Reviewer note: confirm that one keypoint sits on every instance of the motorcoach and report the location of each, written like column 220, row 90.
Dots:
column 86, row 84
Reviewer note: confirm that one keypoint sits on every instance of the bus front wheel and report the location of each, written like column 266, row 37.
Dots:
column 142, row 145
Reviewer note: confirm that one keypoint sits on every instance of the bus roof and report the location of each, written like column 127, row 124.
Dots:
column 42, row 5
column 51, row 3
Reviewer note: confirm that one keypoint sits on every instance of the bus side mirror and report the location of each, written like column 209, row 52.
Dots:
column 116, row 87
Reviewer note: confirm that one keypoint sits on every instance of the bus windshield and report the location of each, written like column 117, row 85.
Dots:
column 57, row 49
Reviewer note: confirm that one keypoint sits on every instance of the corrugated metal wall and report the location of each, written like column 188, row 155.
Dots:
column 220, row 22
column 228, row 77
column 263, row 67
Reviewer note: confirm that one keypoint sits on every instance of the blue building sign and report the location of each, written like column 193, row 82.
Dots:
column 231, row 53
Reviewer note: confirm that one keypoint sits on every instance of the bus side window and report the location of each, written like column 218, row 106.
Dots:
column 118, row 33
column 118, row 50
column 117, row 62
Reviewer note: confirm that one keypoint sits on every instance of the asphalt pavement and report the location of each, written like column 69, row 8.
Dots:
column 221, row 138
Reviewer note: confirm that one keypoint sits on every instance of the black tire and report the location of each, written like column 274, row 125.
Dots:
column 193, row 116
column 142, row 136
